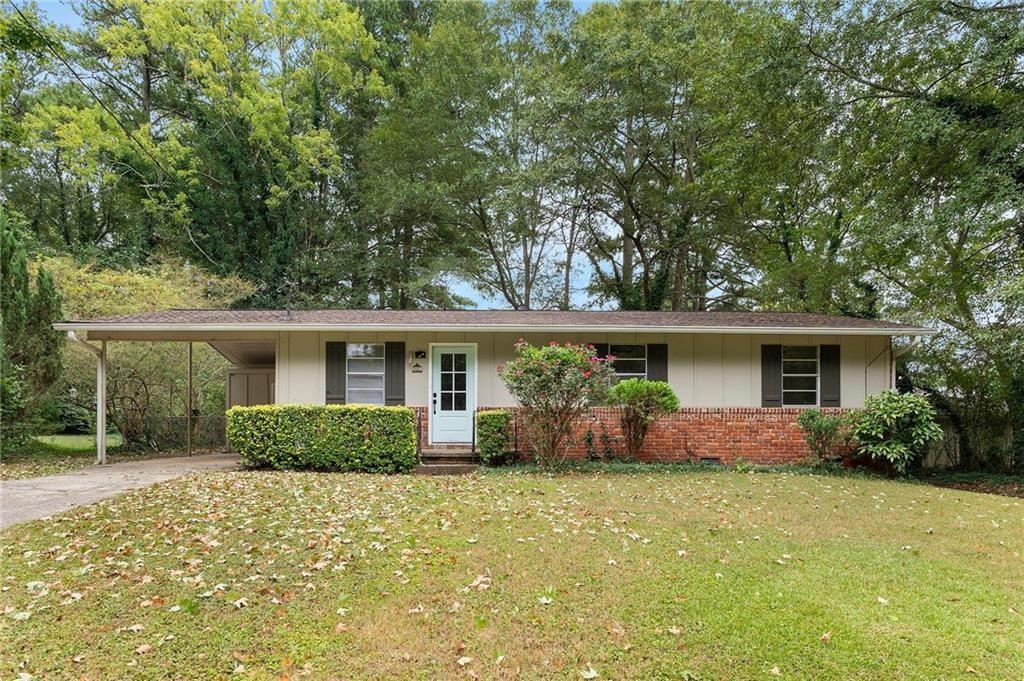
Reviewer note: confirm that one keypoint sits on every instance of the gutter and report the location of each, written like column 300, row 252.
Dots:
column 896, row 354
column 73, row 337
column 492, row 328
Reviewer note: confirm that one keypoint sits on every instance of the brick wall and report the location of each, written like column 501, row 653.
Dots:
column 756, row 435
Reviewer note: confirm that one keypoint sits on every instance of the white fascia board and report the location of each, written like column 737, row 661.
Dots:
column 737, row 330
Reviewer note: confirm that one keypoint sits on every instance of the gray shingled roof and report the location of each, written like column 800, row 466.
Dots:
column 510, row 319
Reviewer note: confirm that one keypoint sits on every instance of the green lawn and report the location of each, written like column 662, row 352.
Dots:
column 54, row 454
column 646, row 575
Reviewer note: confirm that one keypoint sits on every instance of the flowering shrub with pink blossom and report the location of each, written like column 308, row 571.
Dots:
column 554, row 385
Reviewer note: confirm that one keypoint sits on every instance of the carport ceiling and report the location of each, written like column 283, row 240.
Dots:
column 245, row 352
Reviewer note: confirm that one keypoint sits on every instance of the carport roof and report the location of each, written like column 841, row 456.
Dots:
column 494, row 320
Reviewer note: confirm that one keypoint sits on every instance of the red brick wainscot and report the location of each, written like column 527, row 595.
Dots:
column 754, row 434
column 724, row 434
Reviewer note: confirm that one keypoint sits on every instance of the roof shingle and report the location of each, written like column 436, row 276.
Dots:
column 510, row 319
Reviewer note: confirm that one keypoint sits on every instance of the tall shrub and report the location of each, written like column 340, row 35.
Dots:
column 493, row 436
column 641, row 403
column 824, row 433
column 554, row 385
column 896, row 427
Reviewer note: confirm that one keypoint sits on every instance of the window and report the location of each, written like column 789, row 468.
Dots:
column 453, row 381
column 630, row 361
column 364, row 373
column 799, row 375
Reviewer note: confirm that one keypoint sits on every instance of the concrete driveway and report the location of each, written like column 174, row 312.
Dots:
column 32, row 498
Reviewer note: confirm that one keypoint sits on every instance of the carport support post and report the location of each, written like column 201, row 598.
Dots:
column 101, row 404
column 188, row 421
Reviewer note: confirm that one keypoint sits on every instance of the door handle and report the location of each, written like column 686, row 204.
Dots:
column 435, row 403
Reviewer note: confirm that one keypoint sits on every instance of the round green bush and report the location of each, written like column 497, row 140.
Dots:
column 642, row 402
column 896, row 427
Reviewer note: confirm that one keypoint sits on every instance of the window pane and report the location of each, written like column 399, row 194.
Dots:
column 365, row 397
column 369, row 382
column 800, row 352
column 460, row 362
column 629, row 351
column 799, row 366
column 366, row 366
column 365, row 349
column 446, row 401
column 799, row 399
column 446, row 361
column 460, row 401
column 799, row 383
column 631, row 366
column 460, row 381
column 446, row 381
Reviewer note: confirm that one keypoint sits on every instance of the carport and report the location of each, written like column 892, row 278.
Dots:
column 250, row 379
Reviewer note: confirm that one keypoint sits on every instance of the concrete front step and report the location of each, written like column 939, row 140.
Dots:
column 433, row 458
column 444, row 468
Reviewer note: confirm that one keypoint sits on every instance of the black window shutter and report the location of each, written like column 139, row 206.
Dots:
column 394, row 373
column 657, row 362
column 771, row 375
column 335, row 373
column 829, row 365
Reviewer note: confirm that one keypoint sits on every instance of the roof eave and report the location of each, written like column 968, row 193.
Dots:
column 497, row 328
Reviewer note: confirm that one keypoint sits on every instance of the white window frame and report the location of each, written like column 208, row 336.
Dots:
column 817, row 376
column 623, row 377
column 382, row 374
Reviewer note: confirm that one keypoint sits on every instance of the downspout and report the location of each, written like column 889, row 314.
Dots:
column 101, row 393
column 894, row 355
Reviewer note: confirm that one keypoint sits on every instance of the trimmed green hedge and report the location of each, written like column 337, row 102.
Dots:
column 494, row 437
column 325, row 437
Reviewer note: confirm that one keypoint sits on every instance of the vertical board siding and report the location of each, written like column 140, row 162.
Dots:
column 705, row 370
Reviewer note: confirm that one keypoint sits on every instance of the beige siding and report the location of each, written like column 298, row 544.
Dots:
column 706, row 370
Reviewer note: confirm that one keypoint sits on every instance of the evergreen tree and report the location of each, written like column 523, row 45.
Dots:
column 30, row 357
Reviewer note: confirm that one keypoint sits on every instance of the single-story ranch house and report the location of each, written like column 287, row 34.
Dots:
column 742, row 377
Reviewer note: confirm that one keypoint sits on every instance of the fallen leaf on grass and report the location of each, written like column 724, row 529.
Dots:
column 143, row 649
column 463, row 661
column 826, row 637
column 340, row 627
column 589, row 673
column 883, row 601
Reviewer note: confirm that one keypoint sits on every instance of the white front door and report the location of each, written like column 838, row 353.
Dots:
column 452, row 392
